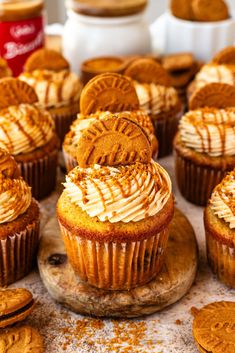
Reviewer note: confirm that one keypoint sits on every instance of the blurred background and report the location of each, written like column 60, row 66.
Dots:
column 57, row 13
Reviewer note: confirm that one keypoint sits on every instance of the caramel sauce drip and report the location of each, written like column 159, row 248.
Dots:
column 122, row 180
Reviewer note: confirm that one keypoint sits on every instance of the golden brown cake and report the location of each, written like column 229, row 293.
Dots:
column 19, row 223
column 82, row 122
column 57, row 88
column 157, row 99
column 27, row 131
column 219, row 220
column 115, row 215
column 204, row 151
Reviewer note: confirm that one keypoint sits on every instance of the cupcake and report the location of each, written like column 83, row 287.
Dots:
column 116, row 208
column 157, row 99
column 219, row 220
column 204, row 151
column 27, row 132
column 57, row 88
column 19, row 223
column 83, row 122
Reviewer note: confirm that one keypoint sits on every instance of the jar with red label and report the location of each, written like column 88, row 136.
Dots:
column 21, row 30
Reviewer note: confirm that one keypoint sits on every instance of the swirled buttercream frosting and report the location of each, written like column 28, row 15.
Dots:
column 83, row 122
column 214, row 73
column 54, row 89
column 210, row 131
column 222, row 200
column 155, row 99
column 15, row 194
column 24, row 128
column 124, row 193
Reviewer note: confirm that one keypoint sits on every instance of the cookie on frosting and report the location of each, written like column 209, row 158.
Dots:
column 15, row 305
column 108, row 92
column 46, row 59
column 225, row 56
column 215, row 95
column 113, row 142
column 14, row 92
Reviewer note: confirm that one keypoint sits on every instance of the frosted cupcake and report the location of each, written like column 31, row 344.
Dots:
column 219, row 222
column 82, row 122
column 19, row 223
column 116, row 208
column 157, row 99
column 27, row 132
column 58, row 89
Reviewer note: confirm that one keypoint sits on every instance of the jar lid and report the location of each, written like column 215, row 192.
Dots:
column 107, row 8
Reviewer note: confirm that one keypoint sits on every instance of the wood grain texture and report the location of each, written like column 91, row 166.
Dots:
column 168, row 287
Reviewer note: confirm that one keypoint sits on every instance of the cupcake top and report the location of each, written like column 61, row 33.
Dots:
column 121, row 193
column 24, row 128
column 157, row 99
column 82, row 122
column 54, row 89
column 210, row 131
column 215, row 73
column 222, row 200
column 15, row 194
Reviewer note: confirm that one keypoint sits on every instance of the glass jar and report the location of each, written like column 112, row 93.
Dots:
column 21, row 31
column 104, row 28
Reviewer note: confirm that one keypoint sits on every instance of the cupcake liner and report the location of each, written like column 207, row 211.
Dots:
column 70, row 161
column 41, row 174
column 165, row 130
column 196, row 182
column 221, row 258
column 63, row 121
column 18, row 254
column 116, row 266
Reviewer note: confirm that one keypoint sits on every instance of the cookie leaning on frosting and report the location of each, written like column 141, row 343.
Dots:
column 95, row 106
column 204, row 146
column 157, row 99
column 117, row 205
column 219, row 220
column 27, row 132
column 58, row 89
column 19, row 222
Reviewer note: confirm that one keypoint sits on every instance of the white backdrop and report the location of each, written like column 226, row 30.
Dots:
column 57, row 13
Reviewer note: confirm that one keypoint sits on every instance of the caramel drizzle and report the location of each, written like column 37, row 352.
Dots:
column 219, row 122
column 39, row 120
column 123, row 181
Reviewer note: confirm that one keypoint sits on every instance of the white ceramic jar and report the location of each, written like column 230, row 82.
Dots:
column 86, row 36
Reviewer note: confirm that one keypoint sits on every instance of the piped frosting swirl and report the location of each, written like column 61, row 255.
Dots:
column 124, row 193
column 15, row 194
column 222, row 200
column 24, row 128
column 155, row 99
column 215, row 73
column 210, row 131
column 54, row 89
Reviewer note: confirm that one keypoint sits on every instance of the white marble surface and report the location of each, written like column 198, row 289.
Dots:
column 64, row 331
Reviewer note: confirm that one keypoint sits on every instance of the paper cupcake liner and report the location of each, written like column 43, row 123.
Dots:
column 41, row 174
column 62, row 124
column 165, row 130
column 196, row 182
column 116, row 266
column 18, row 254
column 221, row 259
column 70, row 161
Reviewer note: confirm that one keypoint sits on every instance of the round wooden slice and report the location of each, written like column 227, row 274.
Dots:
column 168, row 287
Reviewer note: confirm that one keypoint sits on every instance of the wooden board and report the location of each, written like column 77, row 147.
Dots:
column 168, row 287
